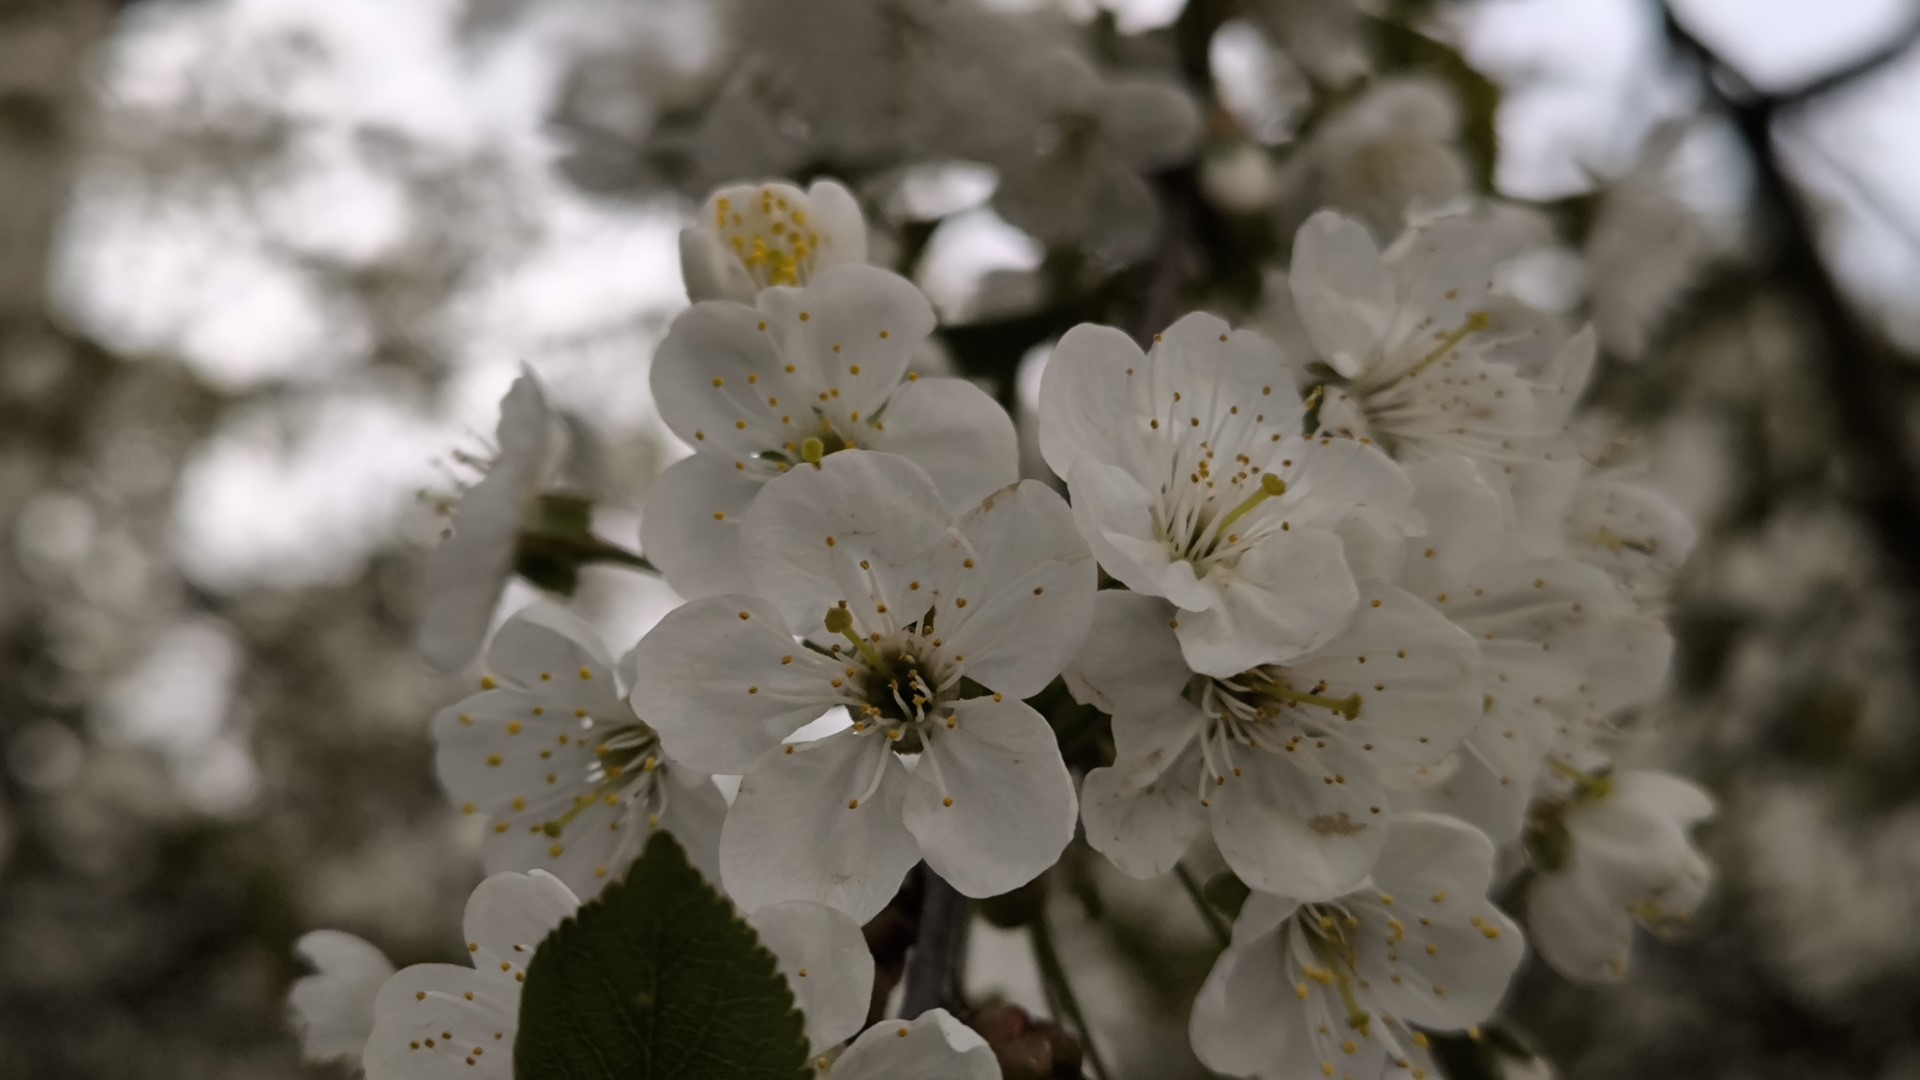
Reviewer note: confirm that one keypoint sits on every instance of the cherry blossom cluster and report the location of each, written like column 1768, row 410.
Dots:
column 1364, row 621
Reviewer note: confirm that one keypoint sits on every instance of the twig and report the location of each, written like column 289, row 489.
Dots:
column 932, row 964
column 1200, row 902
column 1861, row 378
column 1053, row 973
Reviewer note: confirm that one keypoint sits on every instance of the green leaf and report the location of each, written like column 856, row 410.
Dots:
column 658, row 979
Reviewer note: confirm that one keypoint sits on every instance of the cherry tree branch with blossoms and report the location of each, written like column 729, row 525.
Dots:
column 1354, row 605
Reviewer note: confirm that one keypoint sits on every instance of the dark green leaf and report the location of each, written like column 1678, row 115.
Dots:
column 658, row 979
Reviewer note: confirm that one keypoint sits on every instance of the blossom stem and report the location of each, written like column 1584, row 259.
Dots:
column 1053, row 974
column 1208, row 913
column 934, row 961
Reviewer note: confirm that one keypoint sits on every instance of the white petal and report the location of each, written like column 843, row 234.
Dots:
column 1464, row 524
column 1438, row 869
column 1202, row 369
column 1247, row 1018
column 713, row 374
column 1091, row 393
column 1565, row 380
column 991, row 804
column 876, row 318
column 1305, row 824
column 1330, row 480
column 721, row 689
column 1261, row 914
column 1541, row 624
column 1630, row 670
column 934, row 1047
column 332, row 1009
column 810, row 530
column 469, row 570
column 953, row 430
column 1576, row 929
column 838, row 220
column 1342, row 290
column 1631, row 532
column 1151, row 123
column 1441, row 272
column 695, row 811
column 1130, row 658
column 1115, row 515
column 710, row 270
column 1029, row 590
column 1291, row 594
column 1416, row 674
column 508, row 916
column 1144, row 812
column 554, row 654
column 514, row 754
column 792, row 834
column 430, row 1018
column 826, row 964
column 1490, row 782
column 1681, row 801
column 690, row 526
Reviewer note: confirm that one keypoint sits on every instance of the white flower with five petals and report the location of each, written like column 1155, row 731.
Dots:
column 1410, row 333
column 1284, row 763
column 928, row 630
column 1076, row 179
column 802, row 374
column 1614, row 853
column 752, row 236
column 1308, row 991
column 1191, row 480
column 550, row 753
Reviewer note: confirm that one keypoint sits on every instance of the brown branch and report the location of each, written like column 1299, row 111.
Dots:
column 1862, row 378
column 933, row 965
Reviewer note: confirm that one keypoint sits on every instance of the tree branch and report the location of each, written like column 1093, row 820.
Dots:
column 1861, row 377
column 934, row 961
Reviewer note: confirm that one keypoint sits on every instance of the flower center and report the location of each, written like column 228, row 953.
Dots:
column 769, row 235
column 900, row 684
column 1330, row 934
column 627, row 768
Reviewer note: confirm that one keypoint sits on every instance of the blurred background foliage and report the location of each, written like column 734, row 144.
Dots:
column 265, row 264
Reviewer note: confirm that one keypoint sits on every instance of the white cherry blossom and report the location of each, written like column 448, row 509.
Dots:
column 1410, row 333
column 1346, row 987
column 470, row 570
column 1613, row 853
column 928, row 630
column 752, row 236
column 332, row 1009
column 1191, row 480
column 803, row 374
column 1076, row 179
column 1284, row 763
column 551, row 754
